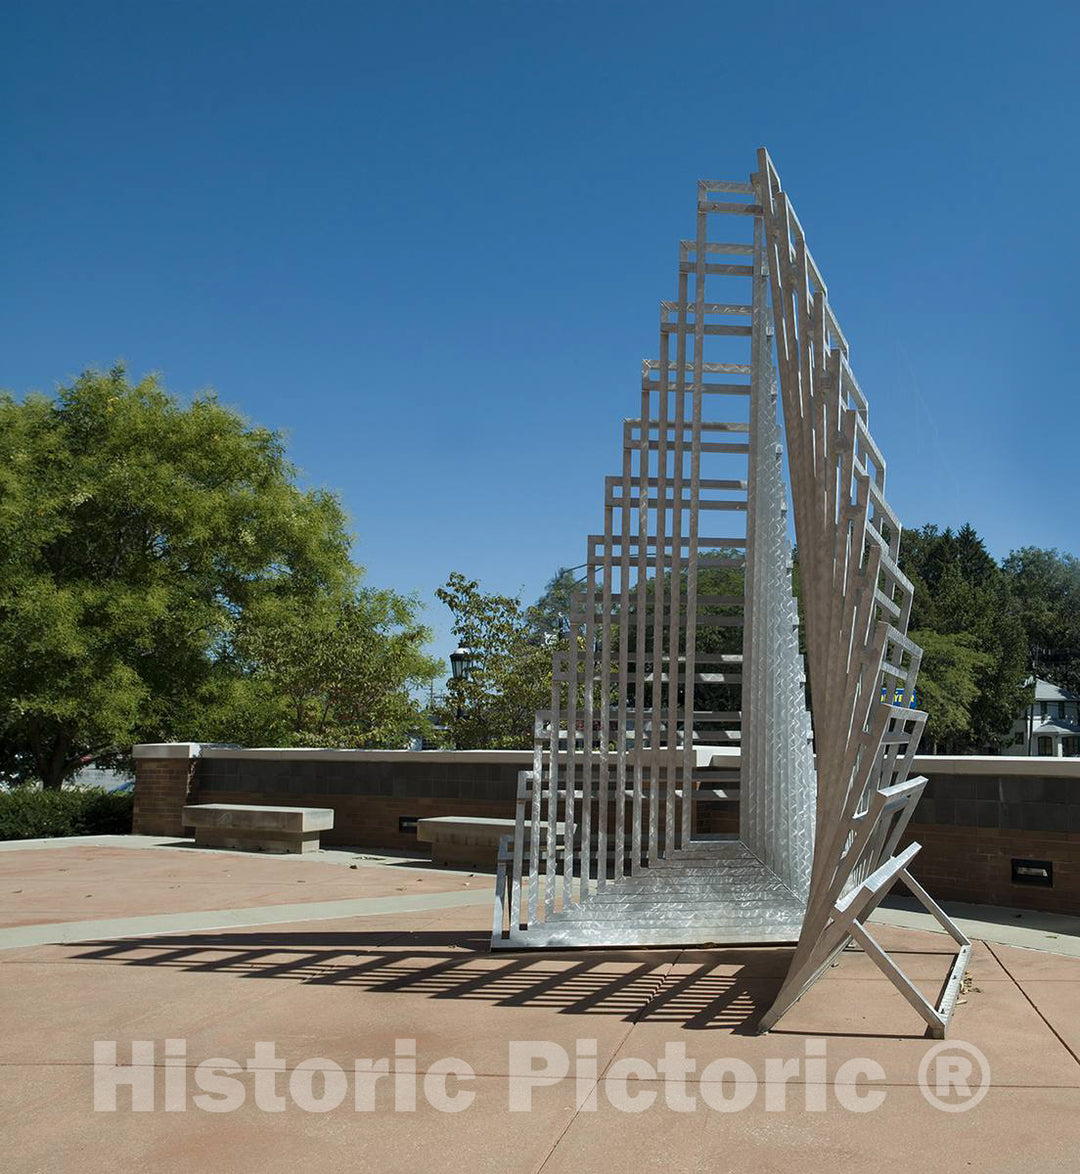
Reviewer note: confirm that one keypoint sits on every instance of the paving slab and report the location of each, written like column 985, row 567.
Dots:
column 65, row 1133
column 1030, row 928
column 461, row 1005
column 211, row 919
column 1010, row 1131
column 77, row 883
column 710, row 1012
column 1023, row 964
column 1058, row 1002
column 55, row 1013
column 919, row 953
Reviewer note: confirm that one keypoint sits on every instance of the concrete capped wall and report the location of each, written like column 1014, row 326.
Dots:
column 977, row 815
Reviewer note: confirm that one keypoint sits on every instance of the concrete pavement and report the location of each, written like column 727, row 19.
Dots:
column 641, row 1060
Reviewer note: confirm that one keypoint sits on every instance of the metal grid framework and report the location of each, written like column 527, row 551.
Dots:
column 857, row 605
column 684, row 642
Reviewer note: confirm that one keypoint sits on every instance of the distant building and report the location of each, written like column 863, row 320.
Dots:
column 1050, row 726
column 97, row 778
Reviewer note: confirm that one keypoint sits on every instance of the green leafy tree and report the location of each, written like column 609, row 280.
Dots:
column 949, row 686
column 1046, row 587
column 494, row 706
column 512, row 646
column 138, row 539
column 344, row 673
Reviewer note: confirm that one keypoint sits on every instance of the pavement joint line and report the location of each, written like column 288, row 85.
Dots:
column 1055, row 933
column 789, row 1082
column 633, row 1021
column 155, row 924
column 1034, row 1006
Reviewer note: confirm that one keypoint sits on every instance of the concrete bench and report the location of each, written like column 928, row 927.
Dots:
column 463, row 841
column 471, row 841
column 258, row 829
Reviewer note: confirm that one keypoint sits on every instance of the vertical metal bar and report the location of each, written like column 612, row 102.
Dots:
column 605, row 708
column 585, row 854
column 656, row 757
column 676, row 668
column 551, row 850
column 644, row 472
column 689, row 752
column 618, row 865
column 518, row 849
column 754, row 773
column 536, row 786
column 570, row 769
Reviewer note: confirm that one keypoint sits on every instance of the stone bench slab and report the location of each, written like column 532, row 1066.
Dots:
column 459, row 829
column 258, row 829
column 468, row 840
column 253, row 818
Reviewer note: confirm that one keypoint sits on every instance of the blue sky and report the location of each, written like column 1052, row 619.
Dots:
column 428, row 241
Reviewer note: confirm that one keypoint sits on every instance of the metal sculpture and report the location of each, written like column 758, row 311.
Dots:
column 685, row 643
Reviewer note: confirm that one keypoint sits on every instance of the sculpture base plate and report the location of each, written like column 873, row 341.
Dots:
column 708, row 894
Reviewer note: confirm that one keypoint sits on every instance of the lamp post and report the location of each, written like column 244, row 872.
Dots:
column 462, row 660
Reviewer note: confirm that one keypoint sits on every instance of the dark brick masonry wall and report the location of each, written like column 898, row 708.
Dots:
column 163, row 787
column 368, row 797
column 972, row 827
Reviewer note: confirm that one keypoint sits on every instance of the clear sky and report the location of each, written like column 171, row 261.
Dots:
column 428, row 241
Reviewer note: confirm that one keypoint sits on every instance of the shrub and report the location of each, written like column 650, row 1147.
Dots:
column 28, row 814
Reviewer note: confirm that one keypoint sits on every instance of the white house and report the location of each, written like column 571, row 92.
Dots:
column 1050, row 726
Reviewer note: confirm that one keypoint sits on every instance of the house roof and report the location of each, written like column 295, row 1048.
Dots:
column 1046, row 691
column 1057, row 726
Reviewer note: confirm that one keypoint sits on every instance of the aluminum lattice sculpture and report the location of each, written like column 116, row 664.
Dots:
column 685, row 644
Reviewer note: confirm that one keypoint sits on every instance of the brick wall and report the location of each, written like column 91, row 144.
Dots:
column 975, row 864
column 976, row 816
column 163, row 784
column 973, row 825
column 369, row 795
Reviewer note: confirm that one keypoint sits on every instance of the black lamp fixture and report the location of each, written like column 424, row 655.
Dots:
column 461, row 662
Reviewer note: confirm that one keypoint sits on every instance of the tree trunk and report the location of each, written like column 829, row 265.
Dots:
column 53, row 764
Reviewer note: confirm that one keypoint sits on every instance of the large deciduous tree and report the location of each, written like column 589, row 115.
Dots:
column 138, row 539
column 344, row 673
column 948, row 686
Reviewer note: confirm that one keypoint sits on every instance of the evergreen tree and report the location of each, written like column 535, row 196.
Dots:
column 971, row 682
